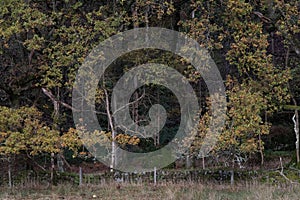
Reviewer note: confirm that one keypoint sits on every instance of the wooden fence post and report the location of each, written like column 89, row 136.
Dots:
column 80, row 176
column 154, row 175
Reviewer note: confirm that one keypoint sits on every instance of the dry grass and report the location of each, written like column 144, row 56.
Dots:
column 184, row 190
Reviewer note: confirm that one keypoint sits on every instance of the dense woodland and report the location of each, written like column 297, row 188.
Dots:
column 254, row 43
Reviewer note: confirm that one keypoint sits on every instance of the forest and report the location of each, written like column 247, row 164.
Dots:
column 158, row 99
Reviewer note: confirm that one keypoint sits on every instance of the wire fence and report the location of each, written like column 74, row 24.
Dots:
column 35, row 179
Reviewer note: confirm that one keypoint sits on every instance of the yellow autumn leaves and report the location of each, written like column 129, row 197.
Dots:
column 22, row 131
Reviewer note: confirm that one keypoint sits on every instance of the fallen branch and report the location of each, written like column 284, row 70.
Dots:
column 283, row 175
column 295, row 169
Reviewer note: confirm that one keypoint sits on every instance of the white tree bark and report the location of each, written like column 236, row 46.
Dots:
column 113, row 134
column 296, row 129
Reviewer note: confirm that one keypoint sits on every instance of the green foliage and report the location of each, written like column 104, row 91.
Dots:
column 43, row 43
column 244, row 122
column 22, row 131
column 259, row 85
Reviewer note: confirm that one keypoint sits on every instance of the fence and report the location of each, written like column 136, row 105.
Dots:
column 33, row 179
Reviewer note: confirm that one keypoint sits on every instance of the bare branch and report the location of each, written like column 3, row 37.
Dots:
column 135, row 101
column 49, row 94
column 283, row 175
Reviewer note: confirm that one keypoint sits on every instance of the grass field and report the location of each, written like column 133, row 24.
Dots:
column 170, row 191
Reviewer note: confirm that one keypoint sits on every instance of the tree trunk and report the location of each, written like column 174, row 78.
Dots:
column 156, row 133
column 296, row 129
column 113, row 134
column 261, row 143
column 52, row 168
column 9, row 172
column 60, row 163
column 232, row 177
column 261, row 150
column 296, row 115
column 232, row 173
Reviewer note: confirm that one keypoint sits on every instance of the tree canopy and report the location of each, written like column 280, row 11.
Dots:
column 255, row 44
